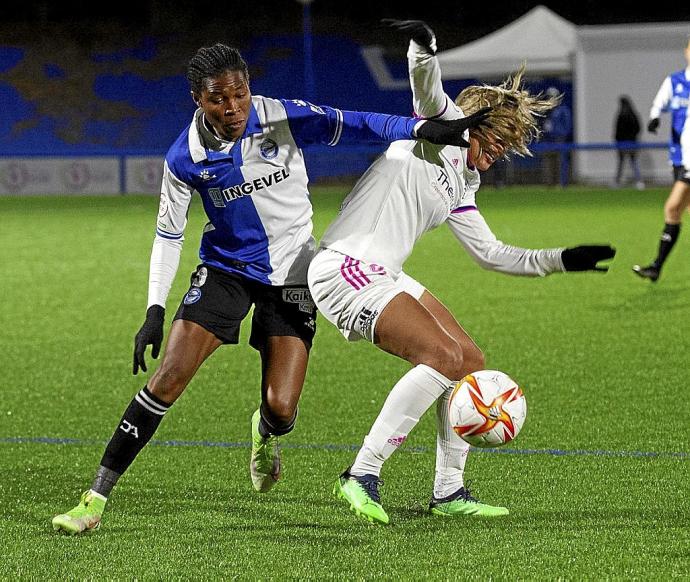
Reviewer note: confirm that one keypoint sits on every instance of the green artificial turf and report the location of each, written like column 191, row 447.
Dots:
column 597, row 482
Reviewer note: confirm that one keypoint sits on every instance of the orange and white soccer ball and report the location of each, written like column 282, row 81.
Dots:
column 487, row 408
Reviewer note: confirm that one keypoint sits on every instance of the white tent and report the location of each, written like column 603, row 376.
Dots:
column 542, row 38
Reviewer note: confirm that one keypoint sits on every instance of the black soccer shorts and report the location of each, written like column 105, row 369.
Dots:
column 680, row 174
column 219, row 301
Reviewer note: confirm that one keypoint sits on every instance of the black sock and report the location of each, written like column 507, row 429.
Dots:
column 104, row 481
column 668, row 239
column 139, row 422
column 269, row 425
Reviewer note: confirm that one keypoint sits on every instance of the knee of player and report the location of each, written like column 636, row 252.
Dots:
column 168, row 383
column 673, row 213
column 448, row 359
column 474, row 360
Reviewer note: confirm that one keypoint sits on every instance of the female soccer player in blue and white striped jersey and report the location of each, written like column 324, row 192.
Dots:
column 243, row 155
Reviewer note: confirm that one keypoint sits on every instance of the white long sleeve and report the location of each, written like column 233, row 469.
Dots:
column 662, row 99
column 428, row 97
column 165, row 259
column 167, row 245
column 481, row 244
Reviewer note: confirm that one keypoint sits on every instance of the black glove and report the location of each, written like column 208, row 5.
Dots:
column 653, row 125
column 586, row 257
column 417, row 30
column 449, row 131
column 151, row 333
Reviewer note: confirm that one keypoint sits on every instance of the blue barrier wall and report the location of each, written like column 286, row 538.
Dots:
column 75, row 101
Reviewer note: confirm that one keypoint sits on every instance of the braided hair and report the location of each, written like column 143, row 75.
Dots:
column 211, row 61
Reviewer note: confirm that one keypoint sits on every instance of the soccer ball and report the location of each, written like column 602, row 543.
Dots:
column 487, row 409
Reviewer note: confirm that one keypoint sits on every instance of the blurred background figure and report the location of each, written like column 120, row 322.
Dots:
column 558, row 126
column 626, row 132
column 672, row 97
column 557, row 129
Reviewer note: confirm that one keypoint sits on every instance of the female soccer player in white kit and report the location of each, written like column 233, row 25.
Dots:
column 358, row 284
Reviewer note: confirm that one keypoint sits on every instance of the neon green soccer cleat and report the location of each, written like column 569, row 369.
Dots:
column 264, row 466
column 462, row 503
column 362, row 493
column 84, row 517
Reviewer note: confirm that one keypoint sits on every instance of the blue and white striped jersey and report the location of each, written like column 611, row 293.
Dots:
column 674, row 96
column 254, row 191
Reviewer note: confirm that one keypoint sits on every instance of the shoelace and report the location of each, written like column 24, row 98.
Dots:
column 463, row 493
column 466, row 495
column 371, row 486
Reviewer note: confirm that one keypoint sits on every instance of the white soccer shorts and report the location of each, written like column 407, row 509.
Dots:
column 352, row 294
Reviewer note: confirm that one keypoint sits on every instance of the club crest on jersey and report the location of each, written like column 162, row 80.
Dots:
column 192, row 296
column 301, row 297
column 205, row 175
column 268, row 149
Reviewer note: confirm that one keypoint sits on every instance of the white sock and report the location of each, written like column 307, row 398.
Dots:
column 451, row 452
column 409, row 399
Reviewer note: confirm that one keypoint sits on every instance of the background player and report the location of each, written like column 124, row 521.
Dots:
column 242, row 154
column 357, row 282
column 625, row 133
column 673, row 96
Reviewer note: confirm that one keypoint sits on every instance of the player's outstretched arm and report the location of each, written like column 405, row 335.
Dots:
column 429, row 100
column 587, row 257
column 450, row 131
column 320, row 124
column 474, row 234
column 151, row 333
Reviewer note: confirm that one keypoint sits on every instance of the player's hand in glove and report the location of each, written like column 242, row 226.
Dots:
column 449, row 131
column 418, row 30
column 151, row 333
column 653, row 125
column 586, row 257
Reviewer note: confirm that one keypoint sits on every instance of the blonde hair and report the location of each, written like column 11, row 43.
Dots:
column 514, row 113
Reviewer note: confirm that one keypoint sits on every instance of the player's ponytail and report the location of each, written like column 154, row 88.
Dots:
column 514, row 112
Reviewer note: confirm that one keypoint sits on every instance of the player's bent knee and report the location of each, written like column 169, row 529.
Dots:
column 282, row 409
column 673, row 213
column 448, row 359
column 474, row 361
column 168, row 384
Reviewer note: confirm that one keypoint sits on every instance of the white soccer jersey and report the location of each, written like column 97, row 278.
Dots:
column 414, row 187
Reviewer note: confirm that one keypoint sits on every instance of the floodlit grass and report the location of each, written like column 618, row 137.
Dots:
column 597, row 482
